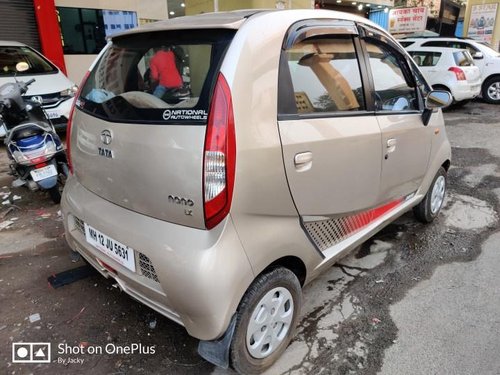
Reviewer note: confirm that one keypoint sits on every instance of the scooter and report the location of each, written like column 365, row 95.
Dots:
column 36, row 152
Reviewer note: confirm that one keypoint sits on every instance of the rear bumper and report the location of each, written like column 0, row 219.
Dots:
column 200, row 275
column 465, row 90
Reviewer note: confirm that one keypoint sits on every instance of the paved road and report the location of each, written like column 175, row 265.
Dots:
column 449, row 323
column 415, row 299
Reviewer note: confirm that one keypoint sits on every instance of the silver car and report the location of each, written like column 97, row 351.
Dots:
column 293, row 137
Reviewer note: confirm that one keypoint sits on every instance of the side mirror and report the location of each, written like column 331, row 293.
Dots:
column 477, row 56
column 435, row 99
column 438, row 99
column 22, row 66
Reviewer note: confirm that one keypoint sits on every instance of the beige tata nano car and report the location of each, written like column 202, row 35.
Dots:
column 294, row 137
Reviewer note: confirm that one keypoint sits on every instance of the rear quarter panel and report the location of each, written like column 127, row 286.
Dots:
column 263, row 211
column 440, row 150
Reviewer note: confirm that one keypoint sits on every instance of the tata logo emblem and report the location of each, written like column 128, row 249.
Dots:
column 37, row 99
column 106, row 137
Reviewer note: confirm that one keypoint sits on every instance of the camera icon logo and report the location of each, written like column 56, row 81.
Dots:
column 31, row 352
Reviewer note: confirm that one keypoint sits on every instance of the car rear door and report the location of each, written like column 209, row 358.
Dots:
column 427, row 62
column 406, row 142
column 330, row 140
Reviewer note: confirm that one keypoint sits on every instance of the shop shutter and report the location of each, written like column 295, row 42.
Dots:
column 18, row 22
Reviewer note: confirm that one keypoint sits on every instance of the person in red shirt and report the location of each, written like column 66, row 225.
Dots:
column 164, row 71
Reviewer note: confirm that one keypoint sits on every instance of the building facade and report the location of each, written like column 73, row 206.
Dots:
column 71, row 32
column 205, row 6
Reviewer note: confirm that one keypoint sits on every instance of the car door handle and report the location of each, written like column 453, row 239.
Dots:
column 303, row 161
column 391, row 145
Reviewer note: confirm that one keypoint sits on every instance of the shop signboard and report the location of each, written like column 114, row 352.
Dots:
column 407, row 20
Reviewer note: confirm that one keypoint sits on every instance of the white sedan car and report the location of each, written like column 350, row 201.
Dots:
column 51, row 88
column 449, row 69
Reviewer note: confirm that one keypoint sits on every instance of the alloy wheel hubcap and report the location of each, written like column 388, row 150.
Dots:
column 494, row 91
column 437, row 196
column 269, row 323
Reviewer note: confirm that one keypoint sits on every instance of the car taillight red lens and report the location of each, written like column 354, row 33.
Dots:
column 459, row 73
column 70, row 122
column 219, row 156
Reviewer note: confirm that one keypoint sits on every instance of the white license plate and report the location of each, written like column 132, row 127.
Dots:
column 112, row 248
column 43, row 173
column 53, row 114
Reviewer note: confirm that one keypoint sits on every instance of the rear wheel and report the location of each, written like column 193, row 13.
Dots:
column 266, row 320
column 55, row 194
column 429, row 208
column 491, row 90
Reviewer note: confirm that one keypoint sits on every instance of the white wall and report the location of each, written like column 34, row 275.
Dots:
column 77, row 65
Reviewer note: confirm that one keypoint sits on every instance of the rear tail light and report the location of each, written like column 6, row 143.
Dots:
column 70, row 122
column 459, row 73
column 219, row 156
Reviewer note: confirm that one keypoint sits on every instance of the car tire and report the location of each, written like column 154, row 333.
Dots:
column 265, row 321
column 491, row 90
column 428, row 209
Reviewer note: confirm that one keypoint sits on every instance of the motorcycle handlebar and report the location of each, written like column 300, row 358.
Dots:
column 30, row 81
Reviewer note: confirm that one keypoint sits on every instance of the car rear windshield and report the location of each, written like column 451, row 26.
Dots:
column 463, row 58
column 156, row 77
column 10, row 56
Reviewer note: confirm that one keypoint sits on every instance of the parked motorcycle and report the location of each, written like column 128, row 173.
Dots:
column 37, row 155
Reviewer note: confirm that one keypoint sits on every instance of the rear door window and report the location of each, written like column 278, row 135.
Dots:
column 466, row 46
column 157, row 77
column 405, row 43
column 422, row 58
column 451, row 44
column 325, row 76
column 436, row 43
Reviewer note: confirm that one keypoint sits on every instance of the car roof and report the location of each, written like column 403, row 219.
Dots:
column 225, row 20
column 11, row 43
column 435, row 49
column 437, row 38
column 235, row 19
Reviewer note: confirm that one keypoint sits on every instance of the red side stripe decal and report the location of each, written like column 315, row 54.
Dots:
column 362, row 219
